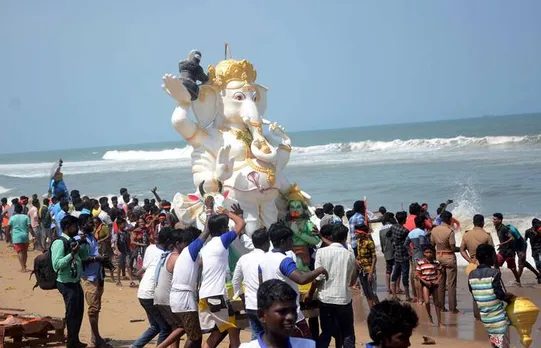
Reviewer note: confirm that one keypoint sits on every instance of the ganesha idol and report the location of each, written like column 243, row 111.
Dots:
column 232, row 154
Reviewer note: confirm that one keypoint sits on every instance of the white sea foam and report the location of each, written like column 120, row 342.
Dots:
column 394, row 145
column 423, row 144
column 4, row 190
column 140, row 155
column 418, row 150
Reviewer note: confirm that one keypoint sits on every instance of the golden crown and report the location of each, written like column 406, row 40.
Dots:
column 232, row 70
column 294, row 193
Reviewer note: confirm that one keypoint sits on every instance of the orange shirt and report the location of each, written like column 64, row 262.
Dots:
column 5, row 219
column 410, row 223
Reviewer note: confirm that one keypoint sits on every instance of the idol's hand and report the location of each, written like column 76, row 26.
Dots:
column 224, row 163
column 175, row 88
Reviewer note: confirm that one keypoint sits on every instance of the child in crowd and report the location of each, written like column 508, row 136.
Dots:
column 139, row 241
column 391, row 324
column 277, row 311
column 121, row 248
column 214, row 313
column 428, row 273
column 485, row 284
column 366, row 263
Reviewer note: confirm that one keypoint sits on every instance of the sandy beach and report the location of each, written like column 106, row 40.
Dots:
column 120, row 305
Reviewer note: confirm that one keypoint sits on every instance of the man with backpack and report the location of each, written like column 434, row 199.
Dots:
column 506, row 248
column 67, row 256
column 521, row 247
column 92, row 279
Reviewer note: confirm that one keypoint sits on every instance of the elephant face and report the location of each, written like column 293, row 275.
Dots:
column 237, row 103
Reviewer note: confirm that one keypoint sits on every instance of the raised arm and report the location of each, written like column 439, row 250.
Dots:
column 209, row 202
column 237, row 216
column 155, row 193
column 189, row 130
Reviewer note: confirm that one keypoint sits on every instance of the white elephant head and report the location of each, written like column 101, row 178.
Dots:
column 233, row 99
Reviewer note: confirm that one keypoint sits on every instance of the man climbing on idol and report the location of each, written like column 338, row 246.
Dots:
column 57, row 187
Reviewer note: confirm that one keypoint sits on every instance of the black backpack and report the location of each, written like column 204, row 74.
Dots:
column 43, row 268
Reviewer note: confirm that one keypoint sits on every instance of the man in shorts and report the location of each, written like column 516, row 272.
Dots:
column 506, row 248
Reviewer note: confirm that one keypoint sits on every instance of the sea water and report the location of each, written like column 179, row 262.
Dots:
column 486, row 165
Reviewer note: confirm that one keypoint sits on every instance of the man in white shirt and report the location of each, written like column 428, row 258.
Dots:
column 247, row 270
column 145, row 293
column 277, row 309
column 336, row 311
column 277, row 265
column 212, row 302
column 328, row 218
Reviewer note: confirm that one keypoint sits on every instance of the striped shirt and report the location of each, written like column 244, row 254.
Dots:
column 486, row 287
column 428, row 270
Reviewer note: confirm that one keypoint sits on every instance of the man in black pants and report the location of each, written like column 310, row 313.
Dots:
column 67, row 255
column 336, row 311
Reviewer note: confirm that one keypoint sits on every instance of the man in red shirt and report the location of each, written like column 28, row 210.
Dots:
column 415, row 210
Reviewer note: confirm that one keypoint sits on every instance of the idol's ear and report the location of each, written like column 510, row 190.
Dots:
column 261, row 99
column 207, row 106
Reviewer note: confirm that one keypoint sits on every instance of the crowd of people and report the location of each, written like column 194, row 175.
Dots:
column 182, row 271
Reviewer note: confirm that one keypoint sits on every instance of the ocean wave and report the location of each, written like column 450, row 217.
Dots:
column 141, row 155
column 4, row 190
column 422, row 144
column 361, row 146
column 370, row 152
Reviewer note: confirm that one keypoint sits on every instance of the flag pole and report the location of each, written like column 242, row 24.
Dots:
column 365, row 211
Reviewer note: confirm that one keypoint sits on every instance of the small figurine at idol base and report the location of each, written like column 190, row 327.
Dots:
column 298, row 219
column 231, row 150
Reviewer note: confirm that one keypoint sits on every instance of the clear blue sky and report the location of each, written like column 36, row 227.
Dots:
column 88, row 73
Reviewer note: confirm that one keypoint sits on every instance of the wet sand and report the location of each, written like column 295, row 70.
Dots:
column 120, row 305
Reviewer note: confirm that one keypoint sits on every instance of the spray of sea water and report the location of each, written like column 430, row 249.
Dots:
column 466, row 204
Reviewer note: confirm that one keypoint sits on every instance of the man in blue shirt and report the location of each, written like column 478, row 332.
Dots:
column 92, row 279
column 57, row 187
column 356, row 219
column 60, row 210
